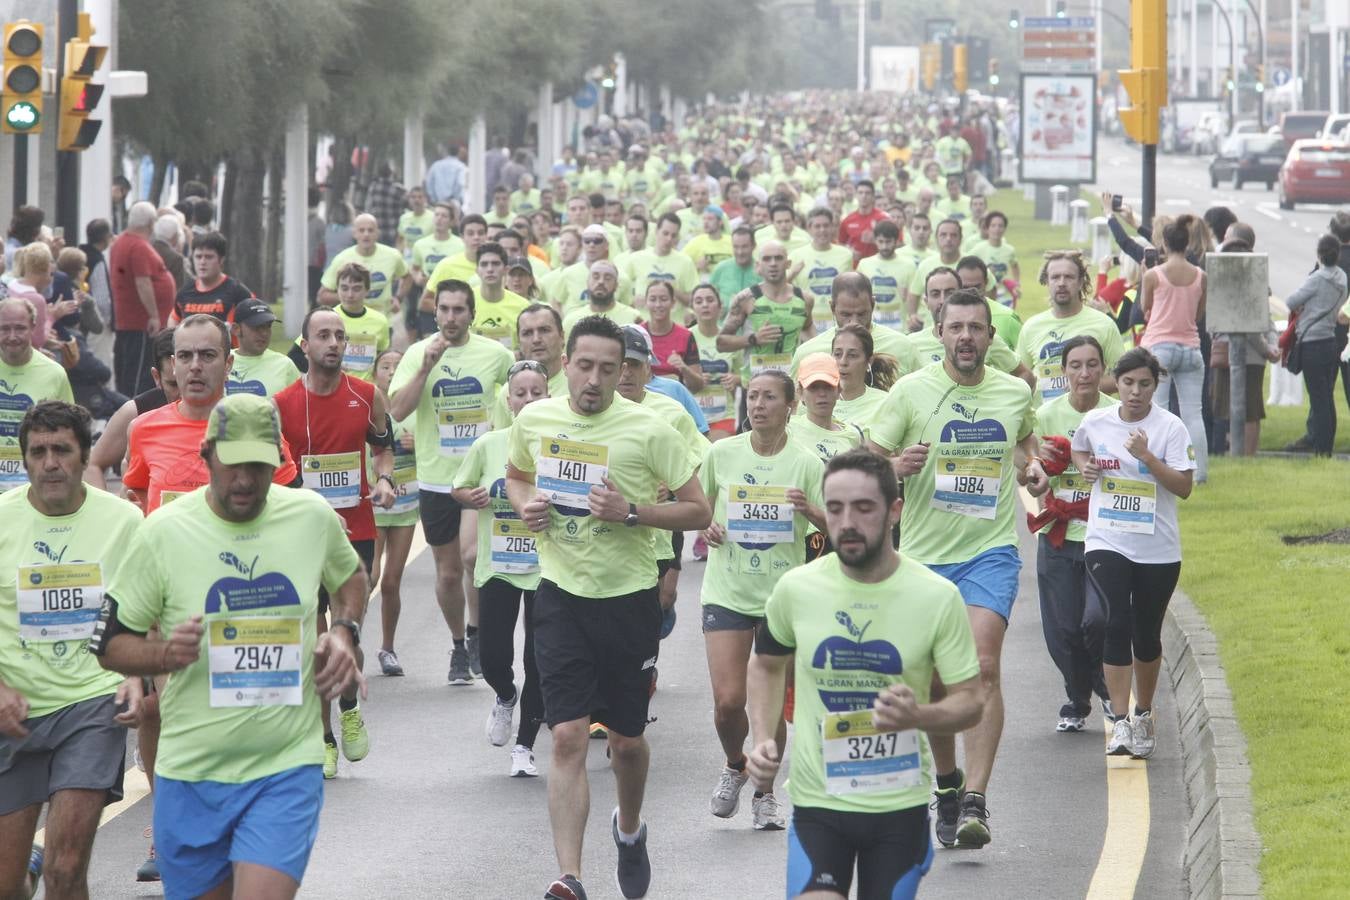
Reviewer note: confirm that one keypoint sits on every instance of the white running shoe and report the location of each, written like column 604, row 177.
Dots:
column 522, row 762
column 726, row 798
column 499, row 721
column 767, row 816
column 1122, row 739
column 1144, row 736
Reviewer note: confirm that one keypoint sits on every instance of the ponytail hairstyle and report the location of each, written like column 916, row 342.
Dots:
column 883, row 371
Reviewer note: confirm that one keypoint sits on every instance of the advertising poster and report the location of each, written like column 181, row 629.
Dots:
column 1059, row 128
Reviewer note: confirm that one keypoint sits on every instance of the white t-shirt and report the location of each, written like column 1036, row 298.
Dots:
column 1130, row 512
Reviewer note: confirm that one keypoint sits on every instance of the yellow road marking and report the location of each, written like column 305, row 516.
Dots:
column 1127, row 823
column 134, row 787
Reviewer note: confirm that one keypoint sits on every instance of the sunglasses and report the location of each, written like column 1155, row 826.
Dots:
column 593, row 240
column 526, row 365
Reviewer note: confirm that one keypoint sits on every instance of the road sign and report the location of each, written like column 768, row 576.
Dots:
column 1052, row 44
column 1280, row 77
column 586, row 96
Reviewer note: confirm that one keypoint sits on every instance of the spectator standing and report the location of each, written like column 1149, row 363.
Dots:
column 445, row 178
column 121, row 188
column 1317, row 302
column 338, row 232
column 168, row 243
column 384, row 200
column 24, row 228
column 142, row 292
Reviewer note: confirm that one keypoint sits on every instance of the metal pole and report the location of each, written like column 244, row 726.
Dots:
column 20, row 170
column 67, row 163
column 1237, row 393
column 1259, row 16
column 295, row 222
column 1293, row 55
column 861, row 45
column 414, row 163
column 1150, row 183
column 1195, row 48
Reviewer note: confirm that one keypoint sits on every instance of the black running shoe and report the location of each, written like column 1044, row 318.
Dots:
column 565, row 888
column 973, row 831
column 634, row 872
column 947, row 804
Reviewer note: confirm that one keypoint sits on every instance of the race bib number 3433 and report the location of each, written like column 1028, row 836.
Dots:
column 758, row 514
column 255, row 661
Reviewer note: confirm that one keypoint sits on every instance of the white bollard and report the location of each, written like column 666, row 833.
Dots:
column 1078, row 222
column 1029, row 191
column 1059, row 205
column 1101, row 237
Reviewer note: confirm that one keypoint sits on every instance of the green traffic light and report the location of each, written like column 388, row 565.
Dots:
column 22, row 116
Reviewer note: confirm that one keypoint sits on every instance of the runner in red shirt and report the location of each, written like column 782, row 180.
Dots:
column 855, row 230
column 212, row 291
column 676, row 351
column 329, row 418
column 164, row 445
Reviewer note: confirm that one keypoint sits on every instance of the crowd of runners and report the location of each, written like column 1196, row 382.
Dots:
column 785, row 345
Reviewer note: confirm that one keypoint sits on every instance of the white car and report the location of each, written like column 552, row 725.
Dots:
column 1335, row 127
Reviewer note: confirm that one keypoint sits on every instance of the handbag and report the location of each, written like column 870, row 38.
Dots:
column 1291, row 348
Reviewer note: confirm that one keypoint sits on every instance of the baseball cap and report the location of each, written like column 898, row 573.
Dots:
column 637, row 344
column 519, row 262
column 816, row 367
column 715, row 210
column 245, row 429
column 593, row 230
column 254, row 312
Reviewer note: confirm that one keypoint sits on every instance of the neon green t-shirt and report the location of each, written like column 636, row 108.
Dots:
column 1000, row 261
column 819, row 268
column 367, row 338
column 928, row 347
column 619, row 312
column 506, row 548
column 862, row 409
column 884, row 340
column 853, row 640
column 824, row 445
column 963, row 501
column 21, row 387
column 716, row 402
column 916, row 283
column 714, row 250
column 567, row 453
column 730, row 279
column 457, row 266
column 429, row 251
column 1042, row 343
column 1058, row 416
column 404, row 510
column 673, row 412
column 412, row 227
column 264, row 375
column 452, row 412
column 645, row 266
column 958, row 209
column 247, row 708
column 888, row 277
column 747, row 493
column 524, row 202
column 501, row 409
column 496, row 320
column 386, row 267
column 53, row 571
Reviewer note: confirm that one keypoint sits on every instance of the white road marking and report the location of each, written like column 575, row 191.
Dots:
column 1269, row 214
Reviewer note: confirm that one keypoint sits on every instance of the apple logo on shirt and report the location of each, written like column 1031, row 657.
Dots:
column 13, row 405
column 838, row 654
column 242, row 594
column 238, row 384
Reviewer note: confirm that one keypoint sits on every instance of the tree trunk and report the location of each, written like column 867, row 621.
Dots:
column 340, row 177
column 272, row 272
column 244, row 224
column 161, row 173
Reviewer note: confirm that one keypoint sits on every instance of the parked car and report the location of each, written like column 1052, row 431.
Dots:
column 1335, row 126
column 1245, row 126
column 1248, row 157
column 1295, row 126
column 1315, row 172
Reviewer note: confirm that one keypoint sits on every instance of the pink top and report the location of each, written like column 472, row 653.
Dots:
column 1171, row 318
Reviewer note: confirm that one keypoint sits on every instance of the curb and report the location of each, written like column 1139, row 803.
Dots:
column 1223, row 850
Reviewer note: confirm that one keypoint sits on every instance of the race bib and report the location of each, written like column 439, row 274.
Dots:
column 713, row 402
column 1127, row 505
column 59, row 602
column 405, row 484
column 1071, row 488
column 459, row 428
column 1051, row 380
column 513, row 548
column 758, row 514
column 359, row 358
column 966, row 485
column 12, row 473
column 861, row 760
column 566, row 471
column 764, row 362
column 255, row 661
column 334, row 476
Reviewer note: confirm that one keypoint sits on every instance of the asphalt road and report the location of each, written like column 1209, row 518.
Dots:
column 1289, row 237
column 431, row 812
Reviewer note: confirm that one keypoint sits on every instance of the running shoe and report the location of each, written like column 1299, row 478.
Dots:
column 389, row 664
column 475, row 660
column 330, row 760
column 1143, row 734
column 947, row 804
column 972, row 832
column 522, row 762
column 1122, row 738
column 726, row 798
column 34, row 869
column 1070, row 724
column 766, row 815
column 1108, row 713
column 499, row 721
column 149, row 870
column 355, row 738
column 700, row 549
column 599, row 732
column 565, row 888
column 634, row 871
column 459, row 667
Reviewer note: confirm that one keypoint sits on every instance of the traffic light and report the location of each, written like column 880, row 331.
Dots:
column 79, row 95
column 993, row 72
column 1260, row 85
column 960, row 72
column 930, row 58
column 1146, row 80
column 22, row 90
column 1015, row 19
column 1061, row 9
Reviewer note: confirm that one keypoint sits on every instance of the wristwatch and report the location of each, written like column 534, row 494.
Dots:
column 632, row 518
column 351, row 626
column 388, row 478
column 753, row 339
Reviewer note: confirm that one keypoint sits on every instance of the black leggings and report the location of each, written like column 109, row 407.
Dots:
column 498, row 607
column 1135, row 596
